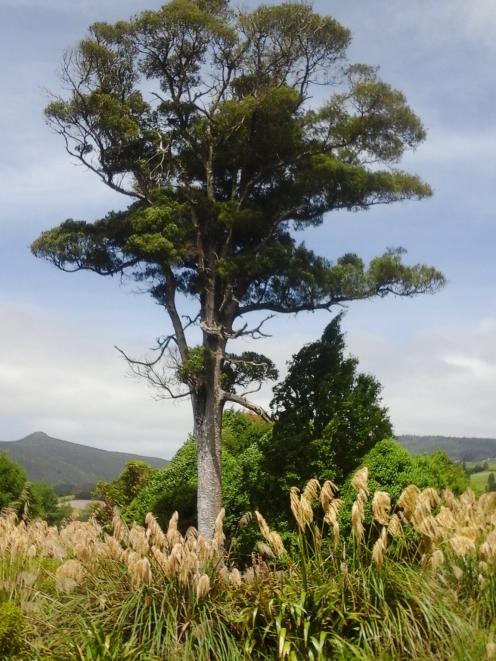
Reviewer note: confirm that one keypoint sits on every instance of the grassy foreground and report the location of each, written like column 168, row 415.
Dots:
column 411, row 579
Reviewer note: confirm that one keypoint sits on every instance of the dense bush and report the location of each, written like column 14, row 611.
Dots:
column 12, row 480
column 133, row 478
column 392, row 468
column 29, row 499
column 174, row 487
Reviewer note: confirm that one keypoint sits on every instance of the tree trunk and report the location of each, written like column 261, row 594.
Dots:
column 208, row 405
column 207, row 430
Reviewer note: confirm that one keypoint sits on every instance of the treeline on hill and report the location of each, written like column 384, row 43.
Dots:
column 459, row 448
column 329, row 421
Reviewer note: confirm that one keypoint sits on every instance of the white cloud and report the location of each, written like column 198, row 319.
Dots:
column 70, row 382
column 440, row 382
column 480, row 20
column 445, row 146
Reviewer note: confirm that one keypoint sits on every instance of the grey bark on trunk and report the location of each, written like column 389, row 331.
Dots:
column 207, row 429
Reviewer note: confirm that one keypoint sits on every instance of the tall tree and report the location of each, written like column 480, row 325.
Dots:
column 204, row 117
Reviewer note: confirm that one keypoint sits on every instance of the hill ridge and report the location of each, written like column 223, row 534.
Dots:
column 461, row 448
column 70, row 467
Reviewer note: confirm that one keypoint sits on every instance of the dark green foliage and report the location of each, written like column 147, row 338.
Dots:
column 491, row 482
column 240, row 430
column 247, row 368
column 45, row 504
column 12, row 480
column 119, row 493
column 38, row 500
column 442, row 472
column 178, row 477
column 29, row 499
column 328, row 417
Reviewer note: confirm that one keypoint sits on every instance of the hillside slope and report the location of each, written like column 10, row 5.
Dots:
column 460, row 448
column 70, row 467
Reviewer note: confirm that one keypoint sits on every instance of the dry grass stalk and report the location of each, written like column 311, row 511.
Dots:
column 437, row 559
column 360, row 480
column 381, row 507
column 408, row 499
column 357, row 517
column 270, row 536
column 69, row 575
column 311, row 491
column 245, row 519
column 379, row 548
column 202, row 586
column 328, row 493
column 395, row 528
column 120, row 529
column 154, row 533
column 219, row 536
column 462, row 546
column 138, row 539
column 301, row 508
column 173, row 534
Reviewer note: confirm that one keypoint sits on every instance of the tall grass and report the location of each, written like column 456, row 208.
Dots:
column 415, row 579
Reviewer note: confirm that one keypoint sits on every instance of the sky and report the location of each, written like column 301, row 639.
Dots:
column 434, row 355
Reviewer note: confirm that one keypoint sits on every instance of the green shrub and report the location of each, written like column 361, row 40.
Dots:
column 12, row 480
column 11, row 630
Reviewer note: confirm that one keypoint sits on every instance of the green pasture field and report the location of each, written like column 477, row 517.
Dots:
column 478, row 481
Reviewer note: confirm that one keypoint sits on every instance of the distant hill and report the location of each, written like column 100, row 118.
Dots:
column 69, row 467
column 460, row 448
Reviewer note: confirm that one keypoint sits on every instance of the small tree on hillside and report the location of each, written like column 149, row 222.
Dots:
column 203, row 116
column 12, row 480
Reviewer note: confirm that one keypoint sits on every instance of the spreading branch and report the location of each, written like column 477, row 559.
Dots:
column 247, row 404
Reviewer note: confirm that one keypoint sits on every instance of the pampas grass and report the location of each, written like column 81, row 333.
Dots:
column 419, row 581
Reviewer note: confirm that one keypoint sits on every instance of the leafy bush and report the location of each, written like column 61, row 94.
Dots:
column 392, row 468
column 12, row 480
